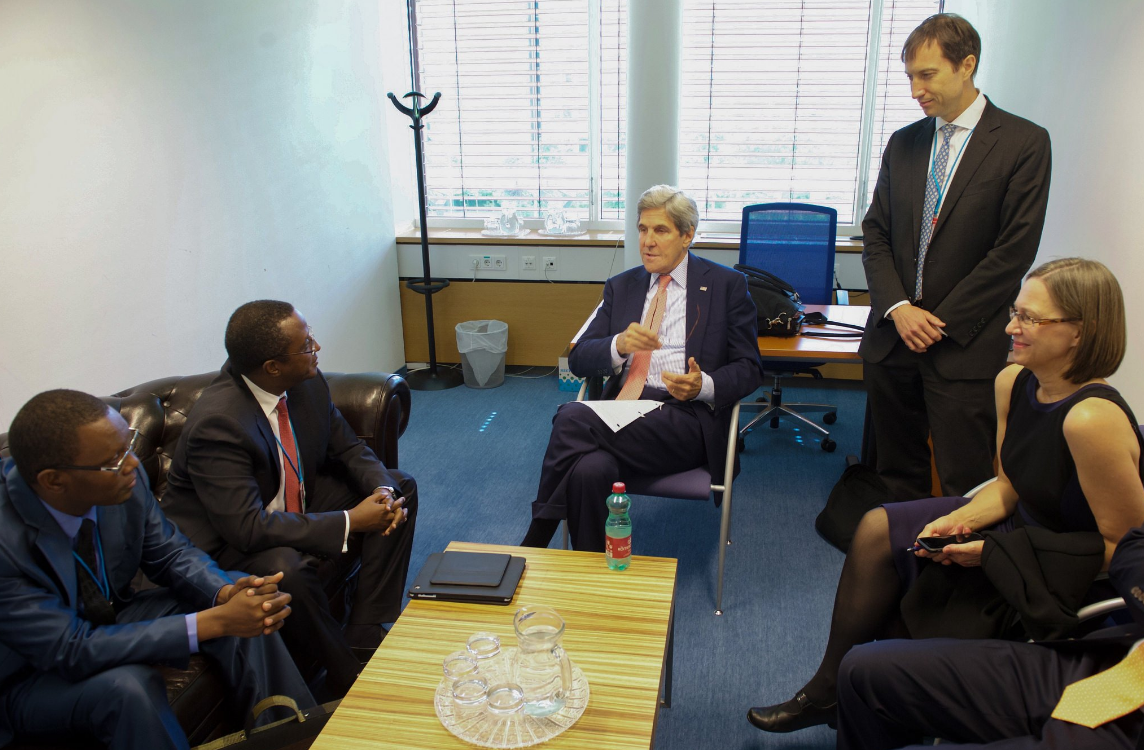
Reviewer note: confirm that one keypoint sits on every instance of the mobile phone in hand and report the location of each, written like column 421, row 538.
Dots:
column 935, row 544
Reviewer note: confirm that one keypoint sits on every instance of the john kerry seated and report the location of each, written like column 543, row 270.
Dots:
column 679, row 330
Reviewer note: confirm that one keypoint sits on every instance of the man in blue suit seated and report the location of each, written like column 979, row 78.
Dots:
column 679, row 330
column 998, row 693
column 77, row 521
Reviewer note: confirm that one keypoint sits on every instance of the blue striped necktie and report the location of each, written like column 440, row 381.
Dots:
column 929, row 212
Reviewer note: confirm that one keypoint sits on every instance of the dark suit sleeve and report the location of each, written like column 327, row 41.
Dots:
column 361, row 463
column 592, row 355
column 169, row 559
column 52, row 637
column 743, row 371
column 219, row 465
column 1126, row 572
column 877, row 255
column 988, row 287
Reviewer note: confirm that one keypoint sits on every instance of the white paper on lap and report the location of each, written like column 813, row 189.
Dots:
column 619, row 414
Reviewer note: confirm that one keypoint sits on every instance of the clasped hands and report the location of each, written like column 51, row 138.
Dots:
column 919, row 328
column 637, row 337
column 249, row 607
column 967, row 555
column 381, row 511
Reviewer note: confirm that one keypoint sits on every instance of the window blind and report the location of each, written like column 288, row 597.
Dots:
column 773, row 95
column 512, row 127
column 893, row 107
column 613, row 72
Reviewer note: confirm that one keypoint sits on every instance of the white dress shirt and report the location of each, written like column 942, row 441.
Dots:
column 671, row 356
column 966, row 123
column 269, row 403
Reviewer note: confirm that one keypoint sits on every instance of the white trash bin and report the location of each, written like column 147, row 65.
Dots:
column 482, row 344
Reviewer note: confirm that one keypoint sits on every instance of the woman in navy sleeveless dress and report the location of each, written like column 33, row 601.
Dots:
column 1069, row 459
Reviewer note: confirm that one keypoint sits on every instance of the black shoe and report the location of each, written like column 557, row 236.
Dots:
column 797, row 713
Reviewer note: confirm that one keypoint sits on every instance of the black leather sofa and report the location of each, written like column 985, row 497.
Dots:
column 376, row 405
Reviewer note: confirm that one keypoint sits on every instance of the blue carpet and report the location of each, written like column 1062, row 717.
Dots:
column 476, row 455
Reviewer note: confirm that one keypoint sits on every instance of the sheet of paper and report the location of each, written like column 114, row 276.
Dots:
column 619, row 414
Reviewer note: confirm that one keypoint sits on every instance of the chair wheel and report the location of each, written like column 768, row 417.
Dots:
column 830, row 417
column 774, row 423
column 740, row 444
column 828, row 445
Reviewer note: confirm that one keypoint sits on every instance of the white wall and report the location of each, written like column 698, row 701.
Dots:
column 163, row 162
column 1074, row 68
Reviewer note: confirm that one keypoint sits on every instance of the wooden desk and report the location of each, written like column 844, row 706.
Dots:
column 617, row 632
column 840, row 351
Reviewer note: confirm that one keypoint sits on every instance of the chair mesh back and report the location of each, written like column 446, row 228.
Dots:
column 794, row 241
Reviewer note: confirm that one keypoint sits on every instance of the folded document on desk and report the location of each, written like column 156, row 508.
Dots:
column 619, row 414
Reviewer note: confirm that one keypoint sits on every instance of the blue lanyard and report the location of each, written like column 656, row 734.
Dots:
column 298, row 471
column 100, row 580
column 948, row 173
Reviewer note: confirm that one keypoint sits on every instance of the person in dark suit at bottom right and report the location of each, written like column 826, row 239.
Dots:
column 954, row 224
column 998, row 694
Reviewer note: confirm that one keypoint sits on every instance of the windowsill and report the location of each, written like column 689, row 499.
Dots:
column 408, row 235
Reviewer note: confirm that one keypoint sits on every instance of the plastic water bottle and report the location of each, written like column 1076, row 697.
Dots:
column 618, row 529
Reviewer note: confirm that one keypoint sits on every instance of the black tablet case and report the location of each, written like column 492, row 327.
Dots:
column 500, row 593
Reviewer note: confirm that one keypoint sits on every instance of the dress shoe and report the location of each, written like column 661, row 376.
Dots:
column 797, row 713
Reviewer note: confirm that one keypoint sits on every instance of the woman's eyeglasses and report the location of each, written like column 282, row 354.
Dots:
column 1026, row 320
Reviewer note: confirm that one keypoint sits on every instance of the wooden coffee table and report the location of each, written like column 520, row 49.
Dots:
column 618, row 630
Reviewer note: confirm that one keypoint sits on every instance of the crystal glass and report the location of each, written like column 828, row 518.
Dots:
column 510, row 222
column 554, row 222
column 470, row 692
column 505, row 698
column 541, row 666
column 492, row 224
column 459, row 665
column 571, row 225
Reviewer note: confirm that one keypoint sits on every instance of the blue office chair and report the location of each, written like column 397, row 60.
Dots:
column 794, row 241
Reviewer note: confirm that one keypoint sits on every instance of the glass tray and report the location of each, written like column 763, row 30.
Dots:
column 521, row 233
column 486, row 729
column 546, row 233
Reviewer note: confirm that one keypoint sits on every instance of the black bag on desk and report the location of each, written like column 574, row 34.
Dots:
column 776, row 302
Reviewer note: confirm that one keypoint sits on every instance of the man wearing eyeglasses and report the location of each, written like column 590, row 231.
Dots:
column 77, row 522
column 954, row 224
column 269, row 476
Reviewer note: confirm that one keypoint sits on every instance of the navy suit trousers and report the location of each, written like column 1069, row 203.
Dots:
column 584, row 457
column 126, row 707
column 972, row 694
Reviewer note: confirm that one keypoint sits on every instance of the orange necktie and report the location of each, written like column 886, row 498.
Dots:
column 1108, row 695
column 641, row 361
column 293, row 491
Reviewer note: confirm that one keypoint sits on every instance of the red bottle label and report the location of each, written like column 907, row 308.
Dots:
column 618, row 547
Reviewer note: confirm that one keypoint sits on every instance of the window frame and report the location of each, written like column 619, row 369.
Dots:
column 863, row 177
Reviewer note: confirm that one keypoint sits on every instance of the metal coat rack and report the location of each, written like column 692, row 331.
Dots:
column 432, row 378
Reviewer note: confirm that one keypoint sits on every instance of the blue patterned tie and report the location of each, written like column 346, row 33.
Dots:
column 940, row 162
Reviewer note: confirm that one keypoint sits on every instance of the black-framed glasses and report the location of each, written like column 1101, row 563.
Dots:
column 1026, row 320
column 115, row 467
column 310, row 343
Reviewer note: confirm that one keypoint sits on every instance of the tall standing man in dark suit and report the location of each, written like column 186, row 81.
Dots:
column 77, row 522
column 679, row 330
column 268, row 476
column 954, row 225
column 894, row 693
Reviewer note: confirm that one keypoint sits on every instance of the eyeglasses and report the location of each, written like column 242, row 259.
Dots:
column 113, row 467
column 310, row 343
column 1026, row 320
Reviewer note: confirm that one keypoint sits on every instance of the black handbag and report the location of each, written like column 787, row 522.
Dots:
column 294, row 733
column 777, row 304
